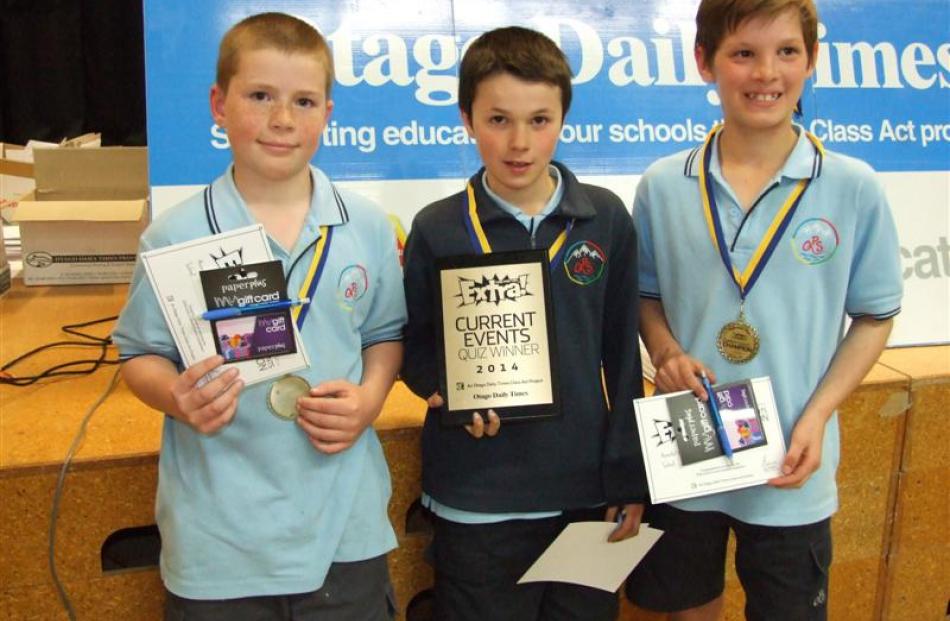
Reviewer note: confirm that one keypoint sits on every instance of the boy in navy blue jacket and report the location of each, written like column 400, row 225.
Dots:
column 501, row 495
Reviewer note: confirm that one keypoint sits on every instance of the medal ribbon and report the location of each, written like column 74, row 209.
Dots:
column 746, row 279
column 480, row 241
column 320, row 253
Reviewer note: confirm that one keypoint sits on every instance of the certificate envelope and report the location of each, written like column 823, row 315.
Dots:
column 681, row 450
column 173, row 273
column 582, row 555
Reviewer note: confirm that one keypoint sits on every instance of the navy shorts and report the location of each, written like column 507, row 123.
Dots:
column 783, row 569
column 477, row 567
column 358, row 591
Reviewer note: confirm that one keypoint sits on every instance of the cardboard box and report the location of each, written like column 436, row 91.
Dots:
column 16, row 165
column 82, row 223
column 16, row 172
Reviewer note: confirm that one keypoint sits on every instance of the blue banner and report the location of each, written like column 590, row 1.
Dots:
column 879, row 90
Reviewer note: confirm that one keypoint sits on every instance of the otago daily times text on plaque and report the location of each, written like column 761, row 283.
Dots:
column 497, row 333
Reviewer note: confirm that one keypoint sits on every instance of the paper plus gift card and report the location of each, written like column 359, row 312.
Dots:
column 739, row 416
column 254, row 336
column 241, row 285
column 694, row 428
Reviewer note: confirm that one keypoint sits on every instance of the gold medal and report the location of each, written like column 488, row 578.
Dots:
column 738, row 341
column 283, row 395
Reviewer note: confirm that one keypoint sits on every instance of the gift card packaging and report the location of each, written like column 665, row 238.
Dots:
column 255, row 331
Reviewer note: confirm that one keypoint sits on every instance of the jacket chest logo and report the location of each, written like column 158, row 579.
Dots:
column 584, row 262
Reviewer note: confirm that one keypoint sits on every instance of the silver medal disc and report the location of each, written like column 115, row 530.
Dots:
column 283, row 395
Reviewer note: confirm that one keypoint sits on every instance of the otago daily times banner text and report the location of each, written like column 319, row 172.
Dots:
column 880, row 92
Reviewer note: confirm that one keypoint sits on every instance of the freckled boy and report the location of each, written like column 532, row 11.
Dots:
column 264, row 517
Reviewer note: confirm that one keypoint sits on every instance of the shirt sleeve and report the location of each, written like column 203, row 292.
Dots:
column 623, row 472
column 387, row 315
column 141, row 327
column 649, row 285
column 875, row 286
column 420, row 369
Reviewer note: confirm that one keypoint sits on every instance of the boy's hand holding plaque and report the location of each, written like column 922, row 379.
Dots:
column 497, row 340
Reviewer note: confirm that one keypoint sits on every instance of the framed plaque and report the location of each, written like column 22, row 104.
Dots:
column 497, row 345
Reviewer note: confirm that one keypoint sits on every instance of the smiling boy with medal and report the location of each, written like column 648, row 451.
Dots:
column 273, row 496
column 754, row 247
column 502, row 492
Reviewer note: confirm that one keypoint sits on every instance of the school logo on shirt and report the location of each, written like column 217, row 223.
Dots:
column 815, row 241
column 584, row 262
column 351, row 286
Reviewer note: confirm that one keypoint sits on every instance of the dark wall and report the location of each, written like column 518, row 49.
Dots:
column 72, row 66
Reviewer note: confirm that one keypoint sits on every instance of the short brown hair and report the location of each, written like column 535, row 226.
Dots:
column 716, row 19
column 278, row 31
column 523, row 53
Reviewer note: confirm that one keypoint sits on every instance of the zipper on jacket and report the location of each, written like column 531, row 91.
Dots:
column 532, row 232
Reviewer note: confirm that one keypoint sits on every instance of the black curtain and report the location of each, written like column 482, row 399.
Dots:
column 68, row 67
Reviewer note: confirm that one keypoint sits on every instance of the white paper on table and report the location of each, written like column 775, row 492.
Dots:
column 173, row 274
column 582, row 555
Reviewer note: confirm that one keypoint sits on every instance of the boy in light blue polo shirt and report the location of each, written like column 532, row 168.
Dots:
column 753, row 248
column 262, row 517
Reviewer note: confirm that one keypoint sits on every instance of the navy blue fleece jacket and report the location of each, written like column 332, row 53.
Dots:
column 588, row 456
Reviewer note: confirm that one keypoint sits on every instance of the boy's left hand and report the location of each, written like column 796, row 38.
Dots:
column 804, row 451
column 629, row 526
column 335, row 414
column 480, row 428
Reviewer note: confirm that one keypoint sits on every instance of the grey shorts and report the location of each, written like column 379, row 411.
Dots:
column 358, row 591
column 783, row 569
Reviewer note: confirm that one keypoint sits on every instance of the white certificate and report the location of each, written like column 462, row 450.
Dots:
column 683, row 453
column 173, row 274
column 582, row 555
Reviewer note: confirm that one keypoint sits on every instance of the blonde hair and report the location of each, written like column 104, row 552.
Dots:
column 278, row 31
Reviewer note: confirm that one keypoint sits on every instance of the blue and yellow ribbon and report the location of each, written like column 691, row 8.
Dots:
column 320, row 253
column 480, row 243
column 760, row 258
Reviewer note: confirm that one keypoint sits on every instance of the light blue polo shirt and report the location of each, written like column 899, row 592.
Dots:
column 838, row 255
column 255, row 509
column 531, row 224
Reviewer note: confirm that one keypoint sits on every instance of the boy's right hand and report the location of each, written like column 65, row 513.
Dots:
column 207, row 408
column 680, row 371
column 435, row 401
column 478, row 428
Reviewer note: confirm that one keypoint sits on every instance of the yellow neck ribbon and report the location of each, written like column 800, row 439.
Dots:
column 480, row 241
column 746, row 279
column 320, row 253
